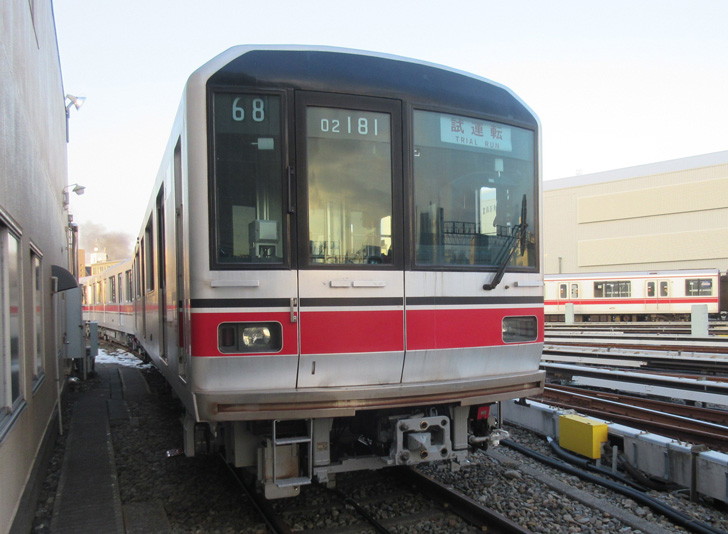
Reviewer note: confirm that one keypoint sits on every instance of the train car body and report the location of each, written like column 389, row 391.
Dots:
column 340, row 264
column 632, row 296
column 108, row 301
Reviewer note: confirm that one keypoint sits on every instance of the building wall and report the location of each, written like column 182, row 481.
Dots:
column 668, row 215
column 33, row 172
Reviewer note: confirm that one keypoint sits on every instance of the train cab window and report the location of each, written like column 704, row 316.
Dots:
column 248, row 179
column 474, row 192
column 349, row 177
column 698, row 287
column 562, row 291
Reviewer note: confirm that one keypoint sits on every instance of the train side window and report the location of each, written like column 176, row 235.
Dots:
column 698, row 287
column 128, row 286
column 574, row 291
column 615, row 289
column 137, row 274
column 664, row 288
column 650, row 289
column 247, row 187
column 112, row 290
column 562, row 291
column 149, row 257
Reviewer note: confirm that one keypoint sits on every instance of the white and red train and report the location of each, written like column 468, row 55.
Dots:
column 340, row 264
column 635, row 296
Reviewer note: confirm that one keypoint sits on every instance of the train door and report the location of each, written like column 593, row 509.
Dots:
column 161, row 276
column 120, row 301
column 657, row 294
column 563, row 297
column 179, row 298
column 350, row 278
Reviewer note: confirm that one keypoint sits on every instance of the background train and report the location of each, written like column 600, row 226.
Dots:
column 340, row 264
column 636, row 296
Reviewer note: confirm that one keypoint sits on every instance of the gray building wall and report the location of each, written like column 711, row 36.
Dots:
column 33, row 172
column 667, row 215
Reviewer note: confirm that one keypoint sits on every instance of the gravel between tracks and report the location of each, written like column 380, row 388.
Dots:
column 199, row 497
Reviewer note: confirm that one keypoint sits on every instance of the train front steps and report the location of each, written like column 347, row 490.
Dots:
column 666, row 458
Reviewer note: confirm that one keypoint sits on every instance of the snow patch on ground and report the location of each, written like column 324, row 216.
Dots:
column 121, row 357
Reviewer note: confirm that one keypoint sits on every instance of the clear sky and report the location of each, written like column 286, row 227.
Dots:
column 615, row 84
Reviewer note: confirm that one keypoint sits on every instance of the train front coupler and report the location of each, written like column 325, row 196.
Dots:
column 421, row 439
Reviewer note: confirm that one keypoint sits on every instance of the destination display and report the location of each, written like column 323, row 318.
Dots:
column 474, row 133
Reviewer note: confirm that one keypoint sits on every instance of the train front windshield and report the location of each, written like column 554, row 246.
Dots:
column 474, row 190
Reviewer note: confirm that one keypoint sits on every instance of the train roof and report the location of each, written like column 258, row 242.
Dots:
column 632, row 274
column 319, row 68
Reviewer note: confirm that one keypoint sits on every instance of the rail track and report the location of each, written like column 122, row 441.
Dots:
column 653, row 358
column 394, row 500
column 693, row 424
column 719, row 328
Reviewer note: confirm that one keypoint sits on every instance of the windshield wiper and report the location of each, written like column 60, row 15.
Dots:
column 517, row 237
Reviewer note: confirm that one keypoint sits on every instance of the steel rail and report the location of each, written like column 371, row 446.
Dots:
column 671, row 425
column 719, row 417
column 480, row 516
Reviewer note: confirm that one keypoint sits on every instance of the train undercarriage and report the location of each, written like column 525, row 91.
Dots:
column 288, row 454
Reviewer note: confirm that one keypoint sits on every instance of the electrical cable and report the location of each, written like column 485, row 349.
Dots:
column 675, row 516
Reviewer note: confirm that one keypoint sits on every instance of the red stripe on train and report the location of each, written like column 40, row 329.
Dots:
column 334, row 332
column 203, row 331
column 342, row 332
column 451, row 329
column 634, row 301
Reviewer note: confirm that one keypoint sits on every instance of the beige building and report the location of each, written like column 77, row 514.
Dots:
column 34, row 230
column 667, row 215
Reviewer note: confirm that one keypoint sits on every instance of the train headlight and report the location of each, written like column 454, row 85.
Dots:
column 239, row 338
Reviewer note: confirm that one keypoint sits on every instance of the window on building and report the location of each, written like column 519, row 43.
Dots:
column 11, row 325
column 38, row 347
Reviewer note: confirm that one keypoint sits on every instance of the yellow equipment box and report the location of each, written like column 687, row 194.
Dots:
column 582, row 435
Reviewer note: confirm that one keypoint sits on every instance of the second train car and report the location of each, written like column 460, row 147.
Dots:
column 635, row 296
column 340, row 265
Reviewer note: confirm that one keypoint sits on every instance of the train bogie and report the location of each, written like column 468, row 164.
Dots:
column 336, row 271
